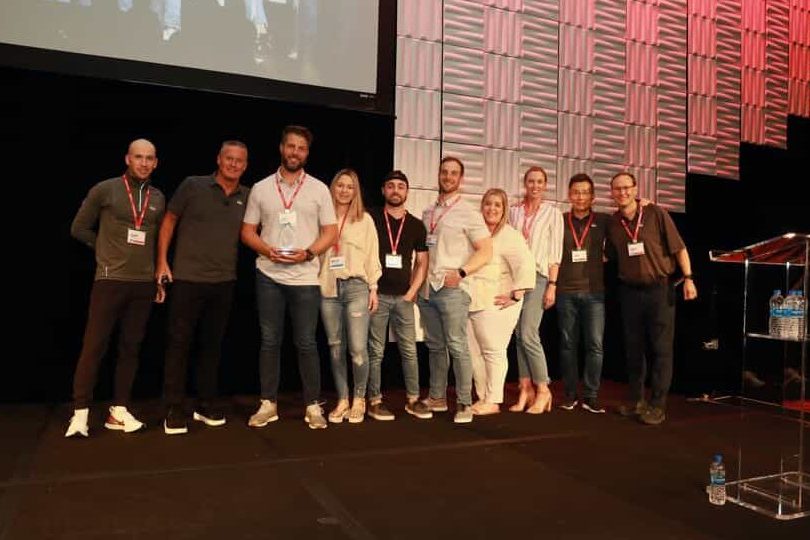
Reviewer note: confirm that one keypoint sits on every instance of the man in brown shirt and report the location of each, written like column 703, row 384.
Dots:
column 648, row 247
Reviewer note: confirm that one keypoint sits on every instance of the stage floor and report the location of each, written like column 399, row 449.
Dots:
column 558, row 475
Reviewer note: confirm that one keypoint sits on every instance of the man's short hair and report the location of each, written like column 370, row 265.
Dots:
column 445, row 159
column 396, row 175
column 301, row 131
column 580, row 177
column 233, row 142
column 623, row 173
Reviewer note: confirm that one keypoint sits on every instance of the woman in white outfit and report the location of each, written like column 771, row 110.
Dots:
column 497, row 292
column 541, row 225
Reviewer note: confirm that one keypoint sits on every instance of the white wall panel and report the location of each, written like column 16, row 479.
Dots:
column 463, row 71
column 418, row 113
column 503, row 32
column 419, row 159
column 502, row 78
column 501, row 125
column 463, row 119
column 420, row 19
column 419, row 63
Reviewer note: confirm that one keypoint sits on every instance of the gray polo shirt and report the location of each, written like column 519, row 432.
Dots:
column 313, row 208
column 207, row 234
column 107, row 207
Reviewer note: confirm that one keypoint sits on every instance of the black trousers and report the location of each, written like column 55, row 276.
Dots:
column 112, row 302
column 201, row 309
column 648, row 320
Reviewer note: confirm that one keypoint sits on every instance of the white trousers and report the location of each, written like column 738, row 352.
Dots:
column 488, row 334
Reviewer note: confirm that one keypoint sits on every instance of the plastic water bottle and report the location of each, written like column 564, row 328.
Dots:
column 776, row 319
column 794, row 314
column 717, row 481
column 790, row 325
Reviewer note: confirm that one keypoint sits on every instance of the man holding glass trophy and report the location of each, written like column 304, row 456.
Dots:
column 289, row 221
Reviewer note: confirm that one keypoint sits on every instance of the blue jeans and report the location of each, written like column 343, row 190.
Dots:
column 531, row 359
column 168, row 12
column 581, row 317
column 404, row 328
column 346, row 316
column 445, row 315
column 272, row 299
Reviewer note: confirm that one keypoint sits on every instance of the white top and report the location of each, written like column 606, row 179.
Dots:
column 512, row 267
column 360, row 250
column 456, row 225
column 545, row 234
column 313, row 208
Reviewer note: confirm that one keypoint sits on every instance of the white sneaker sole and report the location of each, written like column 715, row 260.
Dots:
column 208, row 421
column 382, row 418
column 314, row 426
column 457, row 420
column 119, row 427
column 74, row 432
column 174, row 431
column 421, row 416
column 262, row 424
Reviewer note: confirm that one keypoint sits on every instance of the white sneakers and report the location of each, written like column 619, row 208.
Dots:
column 78, row 423
column 120, row 419
column 268, row 412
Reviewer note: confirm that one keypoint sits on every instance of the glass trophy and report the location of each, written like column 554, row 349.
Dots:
column 286, row 240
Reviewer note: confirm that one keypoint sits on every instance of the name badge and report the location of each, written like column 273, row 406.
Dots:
column 337, row 263
column 287, row 217
column 392, row 260
column 136, row 237
column 579, row 255
column 432, row 240
column 635, row 249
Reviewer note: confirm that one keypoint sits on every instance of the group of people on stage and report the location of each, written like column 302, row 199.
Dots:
column 477, row 275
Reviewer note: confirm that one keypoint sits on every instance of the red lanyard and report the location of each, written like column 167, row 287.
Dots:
column 527, row 225
column 580, row 241
column 340, row 232
column 434, row 224
column 634, row 235
column 288, row 205
column 393, row 244
column 138, row 218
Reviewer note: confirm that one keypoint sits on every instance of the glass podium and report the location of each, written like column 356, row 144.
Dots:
column 773, row 424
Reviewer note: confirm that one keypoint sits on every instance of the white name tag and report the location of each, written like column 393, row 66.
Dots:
column 337, row 263
column 432, row 240
column 635, row 249
column 579, row 255
column 392, row 260
column 287, row 217
column 136, row 237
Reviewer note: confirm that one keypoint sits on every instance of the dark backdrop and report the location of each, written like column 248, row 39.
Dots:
column 64, row 133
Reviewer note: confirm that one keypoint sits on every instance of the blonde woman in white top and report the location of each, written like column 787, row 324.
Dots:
column 497, row 291
column 348, row 278
column 541, row 225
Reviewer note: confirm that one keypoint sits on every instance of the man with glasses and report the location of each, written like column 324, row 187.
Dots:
column 649, row 249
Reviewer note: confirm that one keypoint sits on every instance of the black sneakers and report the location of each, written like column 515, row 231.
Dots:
column 209, row 415
column 591, row 405
column 175, row 422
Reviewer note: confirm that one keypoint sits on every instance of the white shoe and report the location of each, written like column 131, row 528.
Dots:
column 314, row 417
column 78, row 423
column 268, row 412
column 168, row 32
column 120, row 419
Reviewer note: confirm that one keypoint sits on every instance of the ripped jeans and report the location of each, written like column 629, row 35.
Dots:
column 345, row 320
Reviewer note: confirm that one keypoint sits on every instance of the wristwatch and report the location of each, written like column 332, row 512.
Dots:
column 310, row 254
column 462, row 273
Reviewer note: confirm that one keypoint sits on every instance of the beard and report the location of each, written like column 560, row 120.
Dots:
column 292, row 168
column 395, row 204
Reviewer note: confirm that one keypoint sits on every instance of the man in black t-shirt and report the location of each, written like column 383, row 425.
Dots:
column 401, row 236
column 205, row 216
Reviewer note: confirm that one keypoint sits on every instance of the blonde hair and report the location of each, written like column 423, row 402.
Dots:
column 356, row 207
column 501, row 194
